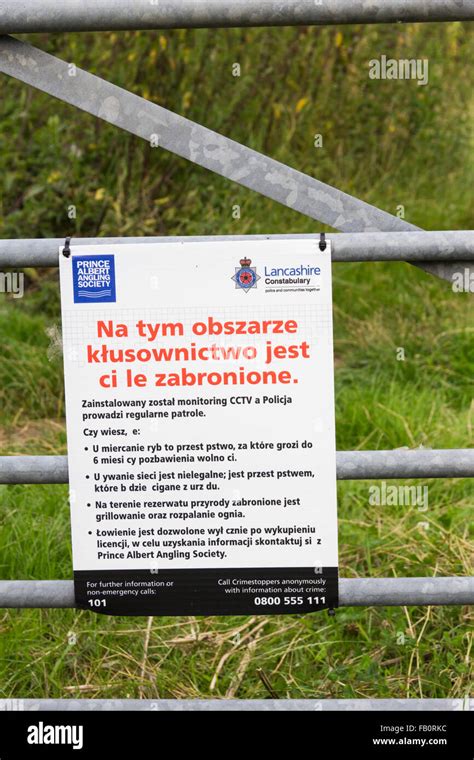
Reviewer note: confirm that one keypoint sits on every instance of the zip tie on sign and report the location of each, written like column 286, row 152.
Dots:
column 67, row 247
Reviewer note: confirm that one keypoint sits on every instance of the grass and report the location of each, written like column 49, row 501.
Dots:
column 390, row 143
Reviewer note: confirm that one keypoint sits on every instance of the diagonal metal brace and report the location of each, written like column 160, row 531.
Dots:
column 166, row 129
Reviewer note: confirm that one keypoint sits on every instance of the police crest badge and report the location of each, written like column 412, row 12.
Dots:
column 245, row 276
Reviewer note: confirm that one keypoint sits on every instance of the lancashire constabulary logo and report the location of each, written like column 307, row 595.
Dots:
column 245, row 276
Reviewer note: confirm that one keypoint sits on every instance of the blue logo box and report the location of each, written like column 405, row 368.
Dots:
column 93, row 278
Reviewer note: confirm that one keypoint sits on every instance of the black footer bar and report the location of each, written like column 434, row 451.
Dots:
column 217, row 591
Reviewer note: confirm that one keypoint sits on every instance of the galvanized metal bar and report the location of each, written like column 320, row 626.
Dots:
column 88, row 15
column 236, row 705
column 405, row 463
column 393, row 592
column 353, row 592
column 33, row 469
column 351, row 465
column 189, row 140
column 200, row 145
column 457, row 245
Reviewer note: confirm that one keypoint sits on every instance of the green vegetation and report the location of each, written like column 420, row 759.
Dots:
column 390, row 143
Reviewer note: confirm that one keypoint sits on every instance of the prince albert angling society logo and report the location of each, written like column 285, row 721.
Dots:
column 245, row 276
column 93, row 278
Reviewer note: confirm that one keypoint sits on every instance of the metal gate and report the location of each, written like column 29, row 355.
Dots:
column 367, row 234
